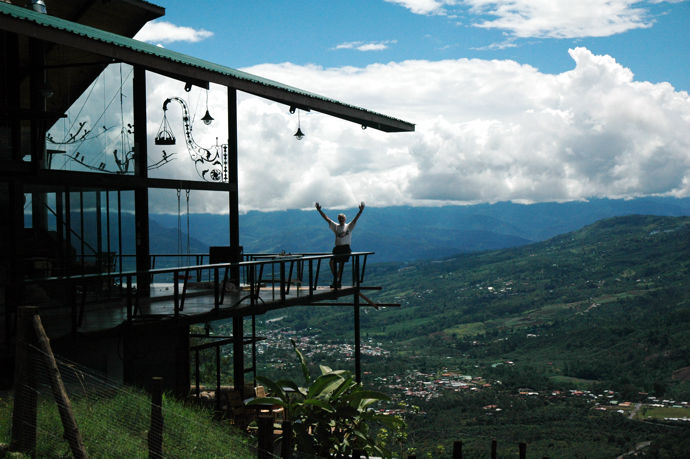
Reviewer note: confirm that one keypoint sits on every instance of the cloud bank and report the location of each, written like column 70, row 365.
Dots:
column 487, row 131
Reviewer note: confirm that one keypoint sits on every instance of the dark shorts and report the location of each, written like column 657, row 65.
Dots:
column 342, row 253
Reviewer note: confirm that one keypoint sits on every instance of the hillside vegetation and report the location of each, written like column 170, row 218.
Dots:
column 605, row 309
column 608, row 302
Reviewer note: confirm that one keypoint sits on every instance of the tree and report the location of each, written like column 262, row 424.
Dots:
column 332, row 415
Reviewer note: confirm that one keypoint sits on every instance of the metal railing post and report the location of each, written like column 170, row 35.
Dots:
column 318, row 270
column 282, row 281
column 176, row 293
column 364, row 267
column 250, row 273
column 129, row 297
column 311, row 277
column 289, row 278
column 73, row 289
column 184, row 288
column 216, row 291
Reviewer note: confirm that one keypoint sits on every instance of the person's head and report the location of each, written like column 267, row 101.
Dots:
column 341, row 218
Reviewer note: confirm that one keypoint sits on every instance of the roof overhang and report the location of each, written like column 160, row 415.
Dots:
column 123, row 17
column 118, row 48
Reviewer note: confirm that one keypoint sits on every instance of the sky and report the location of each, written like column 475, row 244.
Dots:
column 513, row 100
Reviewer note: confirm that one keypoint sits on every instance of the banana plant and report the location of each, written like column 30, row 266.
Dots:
column 332, row 414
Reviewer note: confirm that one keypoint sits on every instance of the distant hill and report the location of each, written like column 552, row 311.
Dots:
column 607, row 304
column 410, row 233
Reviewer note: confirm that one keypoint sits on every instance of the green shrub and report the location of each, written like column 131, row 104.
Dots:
column 332, row 415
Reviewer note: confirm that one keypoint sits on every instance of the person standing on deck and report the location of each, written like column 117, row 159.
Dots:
column 343, row 236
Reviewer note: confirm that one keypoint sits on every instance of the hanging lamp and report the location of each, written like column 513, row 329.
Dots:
column 165, row 135
column 207, row 119
column 299, row 134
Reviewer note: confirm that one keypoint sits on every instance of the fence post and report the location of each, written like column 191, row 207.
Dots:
column 523, row 450
column 69, row 423
column 156, row 430
column 24, row 412
column 265, row 435
column 457, row 449
column 493, row 449
column 287, row 445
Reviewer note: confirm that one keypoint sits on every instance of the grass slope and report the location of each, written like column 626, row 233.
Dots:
column 117, row 426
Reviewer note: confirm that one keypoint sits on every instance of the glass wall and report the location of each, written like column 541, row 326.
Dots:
column 97, row 135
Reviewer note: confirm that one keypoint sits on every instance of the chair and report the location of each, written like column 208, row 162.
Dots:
column 276, row 410
column 241, row 414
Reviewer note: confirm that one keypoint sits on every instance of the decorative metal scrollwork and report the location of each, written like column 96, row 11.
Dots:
column 208, row 162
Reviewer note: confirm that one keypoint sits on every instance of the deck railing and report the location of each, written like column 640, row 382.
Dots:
column 266, row 278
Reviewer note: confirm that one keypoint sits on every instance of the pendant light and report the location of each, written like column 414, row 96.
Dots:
column 207, row 119
column 299, row 134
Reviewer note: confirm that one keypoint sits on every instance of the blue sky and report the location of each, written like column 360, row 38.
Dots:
column 514, row 100
column 650, row 38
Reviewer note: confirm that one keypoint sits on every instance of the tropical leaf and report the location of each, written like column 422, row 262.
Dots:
column 364, row 398
column 303, row 363
column 347, row 385
column 322, row 384
column 325, row 370
column 320, row 404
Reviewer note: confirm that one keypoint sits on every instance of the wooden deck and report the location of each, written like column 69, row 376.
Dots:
column 198, row 307
column 192, row 294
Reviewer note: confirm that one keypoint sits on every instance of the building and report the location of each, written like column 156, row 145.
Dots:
column 75, row 229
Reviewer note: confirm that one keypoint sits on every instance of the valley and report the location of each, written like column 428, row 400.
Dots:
column 545, row 343
column 578, row 345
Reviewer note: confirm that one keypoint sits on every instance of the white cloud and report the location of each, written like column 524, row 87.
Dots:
column 509, row 43
column 166, row 32
column 561, row 18
column 427, row 7
column 486, row 131
column 364, row 46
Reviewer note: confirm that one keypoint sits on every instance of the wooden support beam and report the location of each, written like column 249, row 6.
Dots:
column 155, row 438
column 232, row 179
column 141, row 196
column 238, row 354
column 25, row 398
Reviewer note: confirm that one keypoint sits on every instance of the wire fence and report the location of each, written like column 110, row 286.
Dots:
column 60, row 408
column 114, row 420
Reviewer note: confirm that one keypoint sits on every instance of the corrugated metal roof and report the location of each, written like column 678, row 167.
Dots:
column 326, row 105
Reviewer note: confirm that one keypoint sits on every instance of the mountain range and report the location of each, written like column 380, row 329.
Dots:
column 404, row 233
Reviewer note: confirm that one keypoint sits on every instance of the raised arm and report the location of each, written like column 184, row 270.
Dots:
column 325, row 217
column 361, row 208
